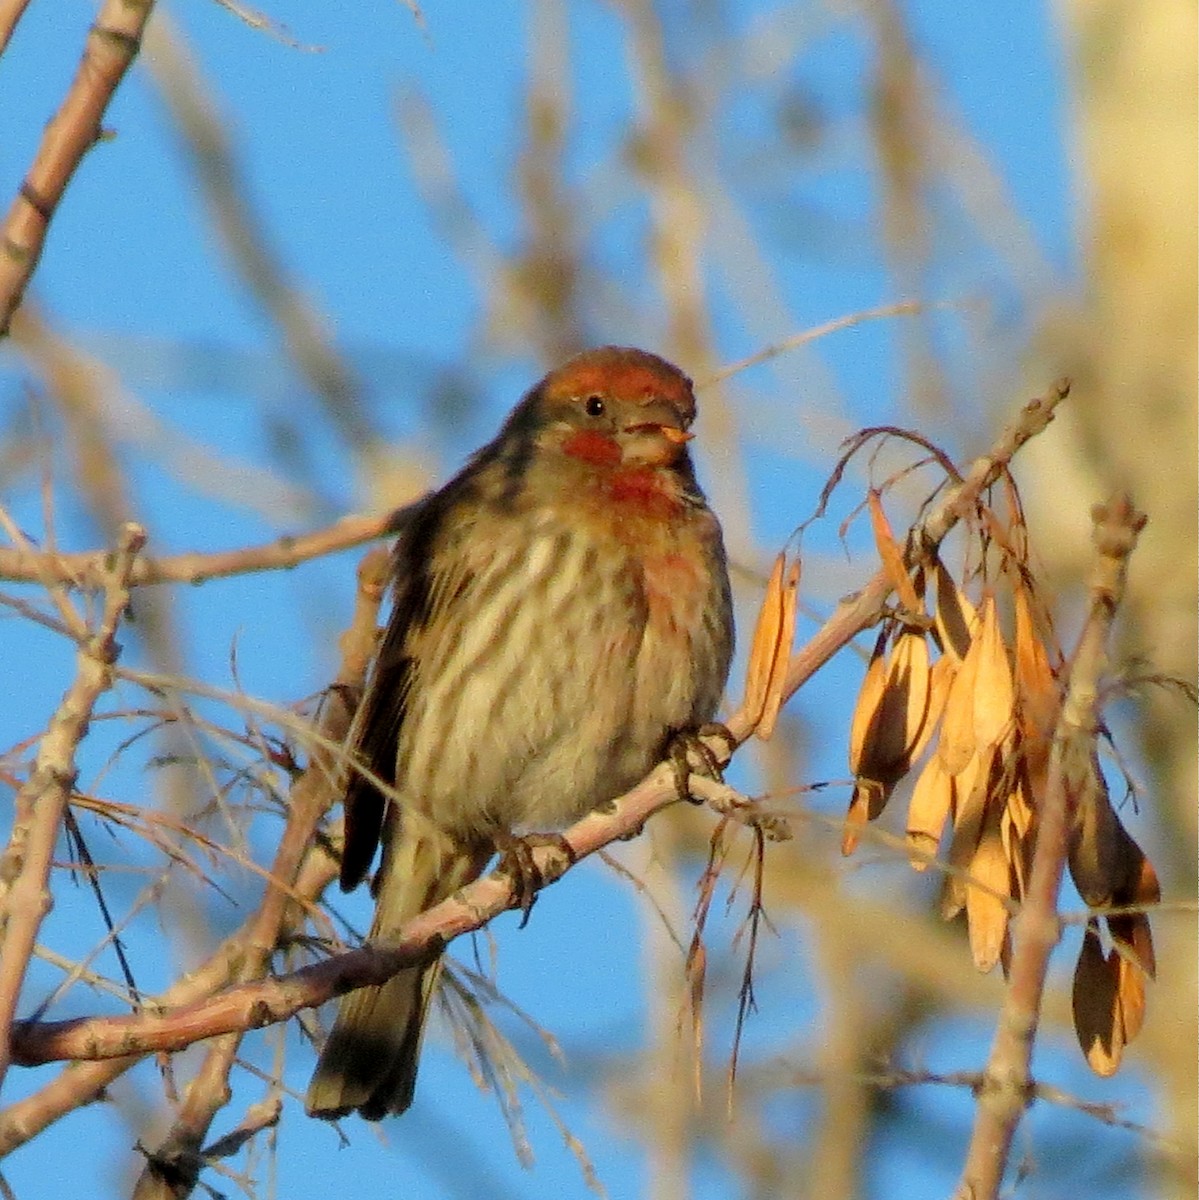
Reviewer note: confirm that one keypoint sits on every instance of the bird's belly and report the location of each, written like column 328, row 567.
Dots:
column 558, row 696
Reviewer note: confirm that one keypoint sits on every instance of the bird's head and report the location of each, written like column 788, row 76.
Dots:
column 616, row 407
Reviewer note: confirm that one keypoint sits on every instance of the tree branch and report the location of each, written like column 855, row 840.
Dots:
column 23, row 565
column 41, row 802
column 112, row 44
column 1007, row 1087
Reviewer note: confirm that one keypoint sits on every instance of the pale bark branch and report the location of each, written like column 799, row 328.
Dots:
column 1007, row 1088
column 112, row 45
column 41, row 802
column 24, row 565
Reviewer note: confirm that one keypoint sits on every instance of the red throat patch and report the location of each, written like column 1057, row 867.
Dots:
column 641, row 490
column 591, row 446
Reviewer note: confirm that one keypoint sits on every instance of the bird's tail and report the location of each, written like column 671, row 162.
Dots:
column 369, row 1060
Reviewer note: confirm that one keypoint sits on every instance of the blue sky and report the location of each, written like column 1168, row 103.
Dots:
column 133, row 274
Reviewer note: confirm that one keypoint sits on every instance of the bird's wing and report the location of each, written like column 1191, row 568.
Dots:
column 374, row 735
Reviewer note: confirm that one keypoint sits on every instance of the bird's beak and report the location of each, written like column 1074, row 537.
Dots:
column 672, row 433
column 678, row 436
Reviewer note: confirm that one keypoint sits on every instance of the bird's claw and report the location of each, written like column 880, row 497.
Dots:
column 687, row 753
column 518, row 863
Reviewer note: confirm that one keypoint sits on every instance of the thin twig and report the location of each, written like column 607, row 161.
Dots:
column 11, row 12
column 41, row 803
column 1007, row 1086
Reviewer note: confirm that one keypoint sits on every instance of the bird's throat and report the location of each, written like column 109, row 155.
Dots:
column 644, row 491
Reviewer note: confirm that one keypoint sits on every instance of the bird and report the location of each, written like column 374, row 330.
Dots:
column 560, row 616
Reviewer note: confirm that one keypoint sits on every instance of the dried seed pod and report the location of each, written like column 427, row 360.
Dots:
column 902, row 714
column 891, row 724
column 1098, row 1008
column 764, row 646
column 1035, row 684
column 968, row 806
column 953, row 614
column 891, row 555
column 1016, row 830
column 1138, row 885
column 986, row 892
column 867, row 802
column 940, row 677
column 957, row 744
column 777, row 677
column 994, row 698
column 928, row 809
column 869, row 697
column 1095, row 838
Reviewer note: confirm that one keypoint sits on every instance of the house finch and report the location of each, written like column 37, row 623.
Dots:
column 560, row 613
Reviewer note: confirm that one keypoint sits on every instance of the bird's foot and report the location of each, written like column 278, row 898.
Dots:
column 518, row 863
column 687, row 752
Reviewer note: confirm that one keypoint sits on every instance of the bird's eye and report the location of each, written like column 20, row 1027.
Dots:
column 593, row 406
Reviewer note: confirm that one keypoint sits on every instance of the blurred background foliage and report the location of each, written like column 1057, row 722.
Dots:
column 322, row 255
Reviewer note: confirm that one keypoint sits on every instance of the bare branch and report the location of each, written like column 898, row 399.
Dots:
column 112, row 44
column 42, row 801
column 1007, row 1087
column 11, row 12
column 23, row 565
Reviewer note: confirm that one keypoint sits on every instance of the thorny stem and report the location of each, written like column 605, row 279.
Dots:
column 1007, row 1087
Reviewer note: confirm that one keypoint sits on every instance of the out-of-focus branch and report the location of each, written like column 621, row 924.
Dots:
column 253, row 1005
column 22, row 565
column 42, row 801
column 11, row 11
column 247, row 240
column 171, row 1171
column 1007, row 1086
column 112, row 44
